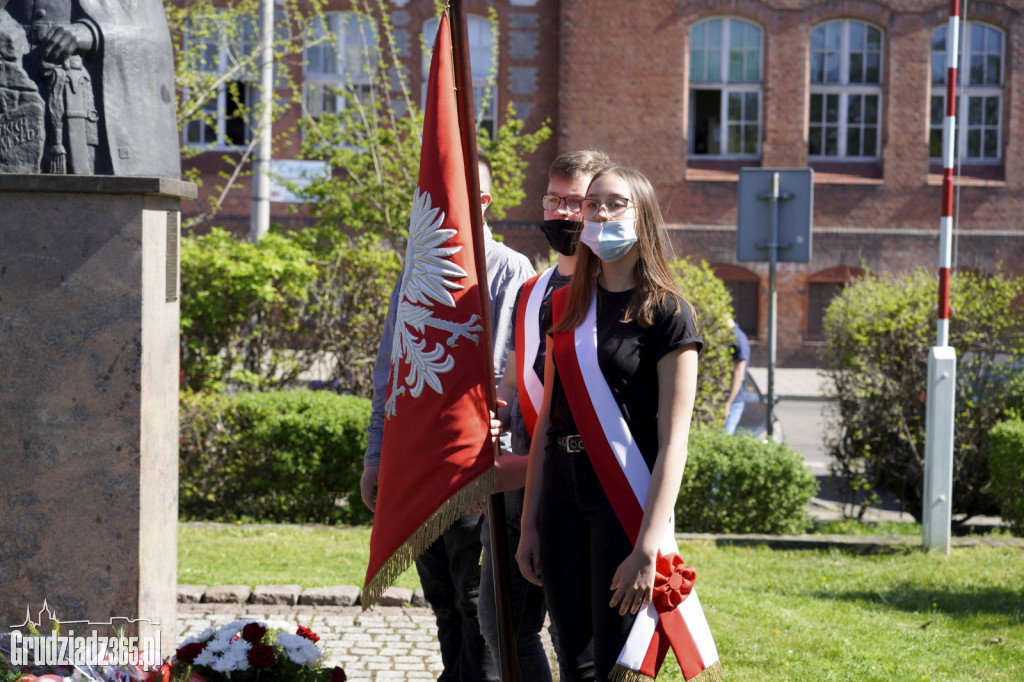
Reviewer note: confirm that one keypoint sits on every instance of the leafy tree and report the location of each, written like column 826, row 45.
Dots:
column 879, row 332
column 373, row 147
column 713, row 305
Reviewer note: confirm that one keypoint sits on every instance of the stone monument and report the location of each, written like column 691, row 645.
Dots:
column 89, row 229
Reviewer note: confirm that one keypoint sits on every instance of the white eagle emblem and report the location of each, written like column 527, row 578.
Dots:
column 429, row 277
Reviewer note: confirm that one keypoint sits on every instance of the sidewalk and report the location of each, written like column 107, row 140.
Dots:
column 792, row 383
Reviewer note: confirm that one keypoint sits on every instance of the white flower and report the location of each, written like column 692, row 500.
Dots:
column 300, row 650
column 207, row 658
column 235, row 658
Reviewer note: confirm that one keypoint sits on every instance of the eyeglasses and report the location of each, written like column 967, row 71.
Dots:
column 615, row 207
column 552, row 202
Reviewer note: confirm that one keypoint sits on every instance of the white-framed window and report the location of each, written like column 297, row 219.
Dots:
column 725, row 88
column 845, row 120
column 228, row 53
column 483, row 62
column 339, row 59
column 982, row 56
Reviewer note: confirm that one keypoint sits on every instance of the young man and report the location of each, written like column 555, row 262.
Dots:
column 521, row 389
column 449, row 569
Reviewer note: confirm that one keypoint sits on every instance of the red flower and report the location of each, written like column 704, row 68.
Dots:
column 253, row 633
column 261, row 655
column 188, row 653
column 338, row 675
column 303, row 631
column 161, row 675
column 672, row 582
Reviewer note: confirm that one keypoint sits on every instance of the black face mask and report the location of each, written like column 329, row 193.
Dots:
column 563, row 235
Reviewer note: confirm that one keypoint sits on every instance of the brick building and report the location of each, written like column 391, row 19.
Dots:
column 692, row 91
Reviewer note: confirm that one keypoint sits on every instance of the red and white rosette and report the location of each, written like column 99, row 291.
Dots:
column 675, row 617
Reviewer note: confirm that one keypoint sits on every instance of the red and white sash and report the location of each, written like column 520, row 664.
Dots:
column 675, row 618
column 529, row 385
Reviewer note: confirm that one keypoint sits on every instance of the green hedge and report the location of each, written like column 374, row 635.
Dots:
column 1006, row 468
column 737, row 484
column 281, row 456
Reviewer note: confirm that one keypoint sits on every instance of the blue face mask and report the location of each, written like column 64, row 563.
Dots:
column 609, row 241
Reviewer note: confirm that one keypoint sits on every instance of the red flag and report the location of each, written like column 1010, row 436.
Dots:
column 436, row 456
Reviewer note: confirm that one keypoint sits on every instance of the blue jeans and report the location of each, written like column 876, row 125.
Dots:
column 527, row 601
column 449, row 573
column 581, row 545
column 732, row 420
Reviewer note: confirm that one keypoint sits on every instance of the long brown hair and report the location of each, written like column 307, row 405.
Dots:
column 654, row 282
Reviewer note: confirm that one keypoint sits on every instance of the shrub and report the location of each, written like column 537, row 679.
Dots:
column 713, row 304
column 879, row 331
column 1006, row 467
column 283, row 456
column 736, row 484
column 238, row 299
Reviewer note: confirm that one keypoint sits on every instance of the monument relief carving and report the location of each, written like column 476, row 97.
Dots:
column 87, row 87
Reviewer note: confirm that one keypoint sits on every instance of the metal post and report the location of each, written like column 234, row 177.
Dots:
column 940, row 410
column 773, row 257
column 259, row 222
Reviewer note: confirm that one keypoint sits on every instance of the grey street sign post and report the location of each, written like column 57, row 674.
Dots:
column 773, row 225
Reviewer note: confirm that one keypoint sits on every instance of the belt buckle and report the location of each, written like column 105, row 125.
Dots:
column 571, row 444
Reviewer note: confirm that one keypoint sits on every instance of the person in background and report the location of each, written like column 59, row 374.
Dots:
column 568, row 178
column 449, row 569
column 740, row 349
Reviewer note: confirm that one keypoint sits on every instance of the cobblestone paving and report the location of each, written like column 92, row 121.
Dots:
column 382, row 643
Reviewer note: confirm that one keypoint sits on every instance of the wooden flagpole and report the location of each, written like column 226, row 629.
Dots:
column 496, row 504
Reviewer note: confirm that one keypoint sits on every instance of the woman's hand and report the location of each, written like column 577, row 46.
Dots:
column 528, row 554
column 497, row 427
column 633, row 583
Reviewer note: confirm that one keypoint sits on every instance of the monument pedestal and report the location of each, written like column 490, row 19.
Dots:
column 89, row 312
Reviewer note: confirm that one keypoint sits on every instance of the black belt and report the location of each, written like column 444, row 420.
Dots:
column 570, row 444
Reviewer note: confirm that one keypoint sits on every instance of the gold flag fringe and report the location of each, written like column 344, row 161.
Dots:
column 475, row 492
column 620, row 673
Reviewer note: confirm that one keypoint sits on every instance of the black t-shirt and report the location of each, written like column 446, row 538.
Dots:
column 628, row 355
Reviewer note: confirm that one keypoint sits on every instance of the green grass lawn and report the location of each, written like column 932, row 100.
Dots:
column 776, row 614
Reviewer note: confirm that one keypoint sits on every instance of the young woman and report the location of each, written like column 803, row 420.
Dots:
column 609, row 447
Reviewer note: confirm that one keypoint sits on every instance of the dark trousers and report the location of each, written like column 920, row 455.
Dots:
column 449, row 573
column 581, row 545
column 527, row 601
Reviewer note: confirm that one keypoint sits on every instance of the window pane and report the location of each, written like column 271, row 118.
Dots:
column 974, row 105
column 857, row 36
column 873, row 73
column 735, row 135
column 814, row 140
column 938, row 69
column 856, row 67
column 977, row 75
column 874, row 39
column 832, row 141
column 735, row 106
column 714, row 35
column 853, row 142
column 935, row 143
column 974, row 144
column 714, row 66
column 832, row 108
column 697, row 65
column 817, row 67
column 750, row 139
column 753, row 74
column 991, row 144
column 853, row 109
column 994, row 41
column 752, row 37
column 832, row 68
column 816, row 108
column 818, row 38
column 871, row 109
column 937, row 110
column 992, row 69
column 735, row 66
column 991, row 111
column 834, row 36
column 698, row 35
column 750, row 106
column 870, row 141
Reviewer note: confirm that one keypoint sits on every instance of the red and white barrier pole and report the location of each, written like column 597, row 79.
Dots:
column 940, row 413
